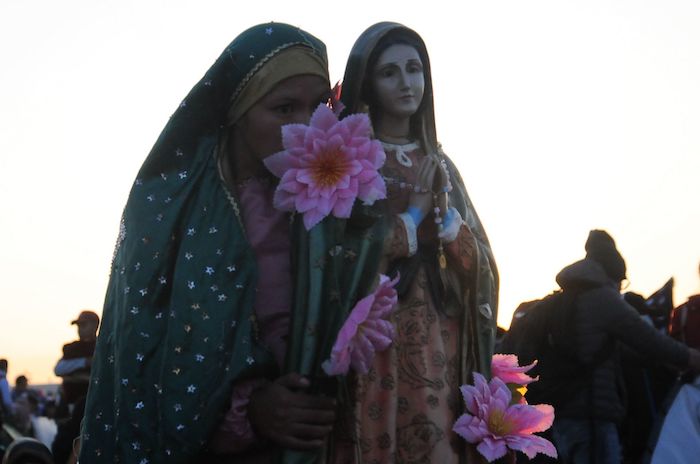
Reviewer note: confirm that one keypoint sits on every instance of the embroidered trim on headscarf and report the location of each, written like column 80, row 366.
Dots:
column 274, row 68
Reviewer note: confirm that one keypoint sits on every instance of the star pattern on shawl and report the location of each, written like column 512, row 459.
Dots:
column 200, row 250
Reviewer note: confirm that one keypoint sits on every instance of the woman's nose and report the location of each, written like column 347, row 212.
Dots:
column 403, row 79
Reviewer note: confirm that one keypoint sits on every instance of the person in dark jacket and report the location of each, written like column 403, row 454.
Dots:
column 75, row 364
column 585, row 427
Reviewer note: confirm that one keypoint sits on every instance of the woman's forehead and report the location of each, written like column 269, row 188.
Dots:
column 303, row 84
column 398, row 53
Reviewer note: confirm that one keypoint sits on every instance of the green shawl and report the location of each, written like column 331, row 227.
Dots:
column 178, row 324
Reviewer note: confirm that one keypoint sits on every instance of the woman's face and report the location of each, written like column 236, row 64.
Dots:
column 398, row 81
column 258, row 133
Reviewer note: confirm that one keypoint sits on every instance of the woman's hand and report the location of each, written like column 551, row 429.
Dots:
column 282, row 413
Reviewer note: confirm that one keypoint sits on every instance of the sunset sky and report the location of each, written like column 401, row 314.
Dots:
column 562, row 116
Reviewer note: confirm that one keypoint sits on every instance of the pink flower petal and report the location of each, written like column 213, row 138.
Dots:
column 343, row 207
column 531, row 445
column 380, row 333
column 289, row 184
column 492, row 449
column 305, row 203
column 279, row 163
column 323, row 118
column 293, row 135
column 532, row 418
column 372, row 191
column 311, row 218
column 471, row 428
column 506, row 367
column 283, row 201
column 495, row 425
column 360, row 337
column 327, row 165
column 357, row 124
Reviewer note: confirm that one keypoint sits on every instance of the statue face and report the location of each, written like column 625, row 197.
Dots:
column 398, row 81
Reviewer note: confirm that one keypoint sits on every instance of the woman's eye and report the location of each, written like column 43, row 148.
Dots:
column 387, row 72
column 284, row 109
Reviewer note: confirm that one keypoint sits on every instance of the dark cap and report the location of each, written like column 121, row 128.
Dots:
column 87, row 316
column 600, row 247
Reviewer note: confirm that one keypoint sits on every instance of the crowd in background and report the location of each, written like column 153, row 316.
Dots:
column 41, row 423
column 426, row 240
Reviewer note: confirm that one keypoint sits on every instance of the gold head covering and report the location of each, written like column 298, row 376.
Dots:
column 293, row 61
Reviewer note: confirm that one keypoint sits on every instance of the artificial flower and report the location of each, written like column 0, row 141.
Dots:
column 335, row 104
column 365, row 332
column 496, row 425
column 506, row 368
column 326, row 166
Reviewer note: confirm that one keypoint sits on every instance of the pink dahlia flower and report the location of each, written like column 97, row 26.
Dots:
column 365, row 331
column 495, row 425
column 326, row 165
column 506, row 368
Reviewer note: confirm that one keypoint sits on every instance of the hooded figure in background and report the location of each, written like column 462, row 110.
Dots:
column 585, row 426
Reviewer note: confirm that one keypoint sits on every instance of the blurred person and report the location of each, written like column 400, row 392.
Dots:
column 74, row 366
column 21, row 388
column 38, row 426
column 685, row 321
column 679, row 435
column 647, row 385
column 27, row 450
column 7, row 407
column 24, row 408
column 67, row 432
column 585, row 426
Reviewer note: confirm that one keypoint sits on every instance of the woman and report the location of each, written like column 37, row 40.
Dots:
column 446, row 316
column 189, row 330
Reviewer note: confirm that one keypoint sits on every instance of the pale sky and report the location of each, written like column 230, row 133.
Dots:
column 562, row 116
